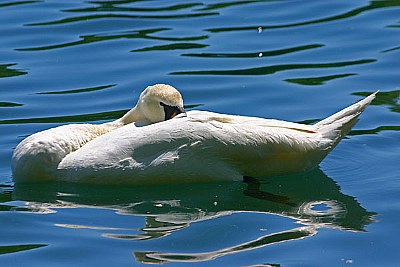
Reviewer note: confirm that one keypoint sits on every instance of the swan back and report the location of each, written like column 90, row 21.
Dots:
column 202, row 145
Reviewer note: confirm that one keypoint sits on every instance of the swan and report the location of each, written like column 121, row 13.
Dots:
column 193, row 146
column 36, row 158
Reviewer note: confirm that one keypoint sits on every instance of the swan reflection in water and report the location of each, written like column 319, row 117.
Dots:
column 312, row 199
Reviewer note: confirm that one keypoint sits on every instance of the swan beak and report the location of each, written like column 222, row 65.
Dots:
column 171, row 112
column 182, row 111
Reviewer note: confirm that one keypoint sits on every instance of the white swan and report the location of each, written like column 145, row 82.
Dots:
column 199, row 146
column 37, row 157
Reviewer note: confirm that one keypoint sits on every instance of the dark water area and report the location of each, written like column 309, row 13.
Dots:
column 87, row 61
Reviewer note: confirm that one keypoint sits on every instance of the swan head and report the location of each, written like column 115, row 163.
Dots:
column 160, row 102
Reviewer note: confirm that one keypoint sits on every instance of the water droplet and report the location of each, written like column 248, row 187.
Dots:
column 260, row 29
column 347, row 261
column 260, row 54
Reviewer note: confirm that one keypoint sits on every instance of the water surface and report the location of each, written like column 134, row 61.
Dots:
column 88, row 61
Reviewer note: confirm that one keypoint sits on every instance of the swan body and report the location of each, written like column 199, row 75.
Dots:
column 201, row 145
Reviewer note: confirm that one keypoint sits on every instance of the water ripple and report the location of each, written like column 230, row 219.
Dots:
column 76, row 91
column 18, row 248
column 120, row 16
column 391, row 49
column 166, row 257
column 109, row 115
column 111, row 6
column 275, row 68
column 318, row 80
column 137, row 34
column 375, row 130
column 10, row 104
column 269, row 53
column 174, row 46
column 18, row 3
column 388, row 98
column 229, row 4
column 6, row 71
column 352, row 13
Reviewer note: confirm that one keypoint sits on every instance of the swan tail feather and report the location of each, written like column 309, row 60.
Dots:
column 339, row 124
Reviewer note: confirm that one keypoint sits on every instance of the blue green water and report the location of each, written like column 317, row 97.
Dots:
column 87, row 61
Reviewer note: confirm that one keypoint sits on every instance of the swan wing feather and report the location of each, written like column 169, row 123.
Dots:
column 202, row 144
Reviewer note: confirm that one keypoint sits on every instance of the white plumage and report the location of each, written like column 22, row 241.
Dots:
column 198, row 146
column 37, row 157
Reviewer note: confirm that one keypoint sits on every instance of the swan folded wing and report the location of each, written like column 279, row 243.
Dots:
column 200, row 145
column 206, row 116
column 268, row 147
column 269, row 133
column 166, row 149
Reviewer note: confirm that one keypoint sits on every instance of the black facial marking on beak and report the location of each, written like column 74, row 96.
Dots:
column 172, row 111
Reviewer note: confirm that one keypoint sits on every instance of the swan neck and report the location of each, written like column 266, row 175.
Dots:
column 133, row 115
